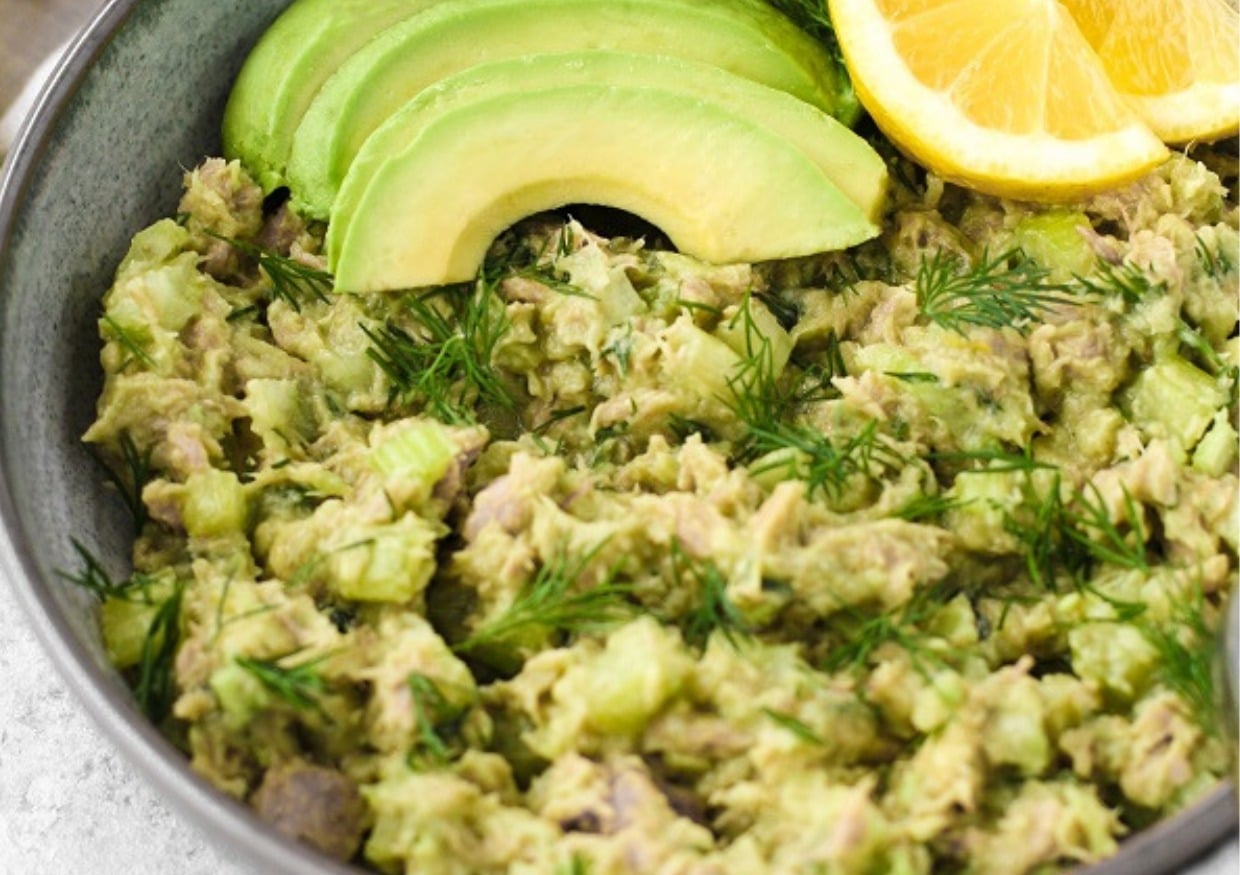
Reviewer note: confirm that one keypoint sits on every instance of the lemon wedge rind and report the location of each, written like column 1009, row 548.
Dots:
column 929, row 125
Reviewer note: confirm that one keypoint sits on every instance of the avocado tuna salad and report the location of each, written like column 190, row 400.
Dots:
column 902, row 559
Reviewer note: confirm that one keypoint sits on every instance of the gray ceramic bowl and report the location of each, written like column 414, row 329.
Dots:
column 138, row 99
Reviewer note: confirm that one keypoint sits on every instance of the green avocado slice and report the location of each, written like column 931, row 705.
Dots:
column 746, row 37
column 286, row 68
column 845, row 158
column 722, row 187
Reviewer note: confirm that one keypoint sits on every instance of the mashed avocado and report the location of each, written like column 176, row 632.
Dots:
column 904, row 559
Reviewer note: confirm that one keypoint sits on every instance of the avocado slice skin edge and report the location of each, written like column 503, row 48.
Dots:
column 285, row 70
column 746, row 37
column 721, row 186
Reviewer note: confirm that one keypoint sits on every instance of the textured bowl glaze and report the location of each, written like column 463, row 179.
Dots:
column 137, row 99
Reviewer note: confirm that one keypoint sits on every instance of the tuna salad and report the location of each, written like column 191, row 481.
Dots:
column 904, row 559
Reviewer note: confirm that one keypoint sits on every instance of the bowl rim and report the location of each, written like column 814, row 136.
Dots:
column 161, row 764
column 164, row 767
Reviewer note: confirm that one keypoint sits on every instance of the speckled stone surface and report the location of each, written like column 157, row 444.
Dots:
column 68, row 802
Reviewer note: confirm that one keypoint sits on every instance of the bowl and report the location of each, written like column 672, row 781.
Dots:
column 138, row 98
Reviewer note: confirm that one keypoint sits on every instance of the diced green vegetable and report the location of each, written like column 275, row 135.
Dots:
column 1053, row 239
column 214, row 504
column 1174, row 398
column 388, row 563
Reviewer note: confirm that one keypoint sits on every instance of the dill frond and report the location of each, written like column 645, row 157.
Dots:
column 1125, row 281
column 1216, row 264
column 1006, row 291
column 767, row 407
column 156, row 686
column 446, row 366
column 291, row 281
column 795, row 726
column 1187, row 650
column 904, row 626
column 548, row 602
column 130, row 482
column 94, row 578
column 438, row 722
column 928, row 507
column 714, row 609
column 299, row 685
column 1067, row 539
column 128, row 342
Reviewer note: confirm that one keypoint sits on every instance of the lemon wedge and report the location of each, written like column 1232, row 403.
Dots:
column 1177, row 61
column 1004, row 96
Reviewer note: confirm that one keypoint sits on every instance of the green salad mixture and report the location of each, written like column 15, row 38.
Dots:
column 905, row 559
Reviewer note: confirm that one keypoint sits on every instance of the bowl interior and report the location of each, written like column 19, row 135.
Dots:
column 139, row 100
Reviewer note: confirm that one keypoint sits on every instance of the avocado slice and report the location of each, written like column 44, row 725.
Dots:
column 746, row 37
column 845, row 158
column 286, row 68
column 721, row 186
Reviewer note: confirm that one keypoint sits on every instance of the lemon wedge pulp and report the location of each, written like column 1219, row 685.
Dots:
column 1004, row 96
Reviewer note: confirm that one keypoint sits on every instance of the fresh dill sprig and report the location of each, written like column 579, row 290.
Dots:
column 1217, row 264
column 1187, row 649
column 714, row 610
column 1125, row 281
column 1090, row 525
column 125, row 338
column 1069, row 538
column 904, row 627
column 993, row 460
column 292, row 282
column 129, row 484
column 1006, row 291
column 154, row 687
column 94, row 578
column 446, row 365
column 826, row 466
column 558, row 416
column 795, row 726
column 767, row 408
column 620, row 350
column 438, row 723
column 912, row 376
column 547, row 601
column 927, row 507
column 299, row 685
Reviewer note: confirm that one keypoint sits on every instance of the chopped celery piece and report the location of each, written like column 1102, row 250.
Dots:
column 698, row 361
column 125, row 624
column 1216, row 452
column 1175, row 398
column 388, row 563
column 749, row 328
column 277, row 412
column 214, row 504
column 1053, row 239
column 419, row 449
column 239, row 693
column 642, row 667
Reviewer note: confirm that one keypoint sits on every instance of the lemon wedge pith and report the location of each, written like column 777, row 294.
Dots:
column 1004, row 96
